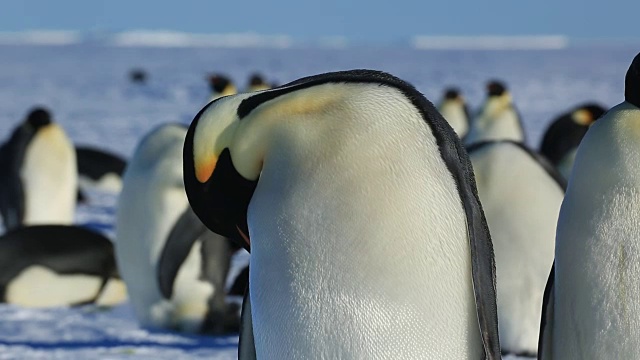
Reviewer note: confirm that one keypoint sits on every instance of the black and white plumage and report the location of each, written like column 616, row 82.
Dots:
column 455, row 110
column 100, row 168
column 333, row 168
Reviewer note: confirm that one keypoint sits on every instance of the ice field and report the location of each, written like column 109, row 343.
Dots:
column 87, row 88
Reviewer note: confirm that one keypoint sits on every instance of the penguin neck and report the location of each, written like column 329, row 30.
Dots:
column 497, row 104
column 350, row 215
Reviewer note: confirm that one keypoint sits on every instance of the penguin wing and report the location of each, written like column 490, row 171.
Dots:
column 240, row 283
column 246, row 345
column 12, row 155
column 546, row 325
column 183, row 235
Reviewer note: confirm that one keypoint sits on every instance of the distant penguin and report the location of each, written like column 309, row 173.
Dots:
column 359, row 206
column 39, row 174
column 58, row 265
column 257, row 83
column 563, row 136
column 497, row 118
column 454, row 109
column 220, row 85
column 160, row 243
column 138, row 76
column 591, row 302
column 100, row 168
column 521, row 195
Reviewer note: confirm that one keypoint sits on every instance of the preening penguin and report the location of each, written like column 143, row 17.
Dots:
column 99, row 168
column 360, row 208
column 497, row 119
column 561, row 140
column 160, row 243
column 220, row 85
column 58, row 265
column 592, row 298
column 39, row 174
column 454, row 109
column 521, row 195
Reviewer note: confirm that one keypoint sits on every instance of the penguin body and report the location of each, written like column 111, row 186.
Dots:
column 591, row 300
column 455, row 111
column 521, row 197
column 347, row 186
column 497, row 119
column 169, row 287
column 562, row 137
column 57, row 265
column 39, row 182
column 99, row 168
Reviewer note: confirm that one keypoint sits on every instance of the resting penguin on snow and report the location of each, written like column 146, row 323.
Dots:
column 497, row 119
column 521, row 194
column 220, row 85
column 360, row 208
column 99, row 168
column 58, row 265
column 591, row 301
column 454, row 109
column 561, row 140
column 174, row 267
column 38, row 174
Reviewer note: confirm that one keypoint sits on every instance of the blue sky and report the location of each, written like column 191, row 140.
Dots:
column 368, row 20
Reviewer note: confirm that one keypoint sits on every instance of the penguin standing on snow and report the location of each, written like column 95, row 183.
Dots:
column 174, row 268
column 521, row 195
column 58, row 265
column 497, row 119
column 591, row 302
column 99, row 168
column 561, row 140
column 39, row 174
column 220, row 85
column 347, row 187
column 454, row 109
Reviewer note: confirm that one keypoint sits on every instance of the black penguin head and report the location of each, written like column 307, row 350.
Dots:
column 218, row 82
column 138, row 76
column 495, row 88
column 256, row 80
column 38, row 117
column 632, row 83
column 451, row 93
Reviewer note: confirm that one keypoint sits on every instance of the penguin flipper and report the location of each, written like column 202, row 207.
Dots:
column 546, row 322
column 240, row 283
column 246, row 345
column 183, row 235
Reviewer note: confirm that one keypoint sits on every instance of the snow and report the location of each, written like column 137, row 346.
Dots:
column 552, row 42
column 86, row 87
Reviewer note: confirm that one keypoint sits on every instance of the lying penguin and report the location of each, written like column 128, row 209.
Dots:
column 174, row 267
column 39, row 177
column 58, row 265
column 100, row 169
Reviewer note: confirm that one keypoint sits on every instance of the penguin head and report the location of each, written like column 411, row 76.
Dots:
column 632, row 83
column 587, row 114
column 451, row 93
column 496, row 88
column 38, row 117
column 221, row 84
column 138, row 76
column 257, row 83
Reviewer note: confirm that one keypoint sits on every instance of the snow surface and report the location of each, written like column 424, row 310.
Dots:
column 87, row 88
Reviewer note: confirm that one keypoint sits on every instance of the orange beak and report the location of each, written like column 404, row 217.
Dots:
column 205, row 170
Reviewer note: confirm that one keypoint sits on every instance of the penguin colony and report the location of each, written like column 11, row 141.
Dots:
column 467, row 245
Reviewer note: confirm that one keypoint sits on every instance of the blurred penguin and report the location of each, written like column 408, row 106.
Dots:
column 39, row 174
column 257, row 83
column 561, row 140
column 220, row 85
column 454, row 109
column 138, row 76
column 497, row 118
column 174, row 268
column 100, row 169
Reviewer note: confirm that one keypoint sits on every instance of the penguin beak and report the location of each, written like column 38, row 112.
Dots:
column 217, row 193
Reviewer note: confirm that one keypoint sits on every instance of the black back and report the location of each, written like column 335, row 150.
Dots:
column 632, row 83
column 457, row 161
column 60, row 248
column 94, row 163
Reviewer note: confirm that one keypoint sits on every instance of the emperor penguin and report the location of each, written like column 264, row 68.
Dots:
column 220, row 85
column 591, row 302
column 58, row 265
column 454, row 109
column 175, row 269
column 521, row 195
column 257, row 83
column 39, row 174
column 497, row 119
column 561, row 140
column 358, row 203
column 100, row 169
